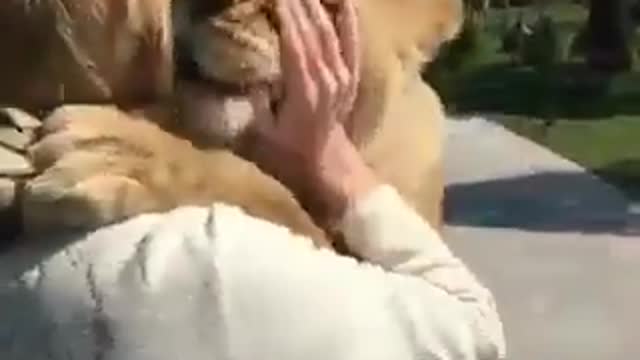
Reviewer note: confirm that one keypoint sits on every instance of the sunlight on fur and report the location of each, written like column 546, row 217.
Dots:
column 223, row 46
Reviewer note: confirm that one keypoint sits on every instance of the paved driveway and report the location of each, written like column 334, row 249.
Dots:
column 559, row 248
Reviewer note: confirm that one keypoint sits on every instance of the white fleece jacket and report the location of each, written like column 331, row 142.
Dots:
column 214, row 283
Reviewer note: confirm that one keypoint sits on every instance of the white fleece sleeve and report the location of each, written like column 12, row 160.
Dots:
column 216, row 283
column 410, row 298
column 384, row 230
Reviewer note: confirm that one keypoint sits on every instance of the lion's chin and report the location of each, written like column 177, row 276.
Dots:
column 214, row 118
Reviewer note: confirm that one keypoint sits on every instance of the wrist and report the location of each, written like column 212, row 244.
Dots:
column 354, row 181
column 358, row 184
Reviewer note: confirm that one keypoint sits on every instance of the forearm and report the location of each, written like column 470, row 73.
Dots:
column 381, row 228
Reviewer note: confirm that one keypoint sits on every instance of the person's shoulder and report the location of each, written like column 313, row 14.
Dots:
column 182, row 233
column 162, row 247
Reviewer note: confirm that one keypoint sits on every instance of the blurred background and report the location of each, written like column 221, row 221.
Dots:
column 551, row 225
column 565, row 74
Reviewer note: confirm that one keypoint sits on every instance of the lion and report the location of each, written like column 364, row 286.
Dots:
column 155, row 158
column 153, row 173
column 395, row 109
column 117, row 56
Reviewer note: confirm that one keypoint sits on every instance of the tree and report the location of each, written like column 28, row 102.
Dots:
column 608, row 35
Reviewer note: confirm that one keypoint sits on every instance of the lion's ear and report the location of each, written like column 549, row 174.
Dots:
column 446, row 19
column 452, row 17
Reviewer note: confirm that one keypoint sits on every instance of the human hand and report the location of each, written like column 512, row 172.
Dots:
column 306, row 137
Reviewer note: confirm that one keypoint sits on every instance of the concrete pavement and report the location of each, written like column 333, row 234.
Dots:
column 559, row 248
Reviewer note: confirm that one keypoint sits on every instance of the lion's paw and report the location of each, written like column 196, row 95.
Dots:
column 85, row 162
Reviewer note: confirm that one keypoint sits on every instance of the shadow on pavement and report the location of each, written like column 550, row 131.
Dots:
column 545, row 202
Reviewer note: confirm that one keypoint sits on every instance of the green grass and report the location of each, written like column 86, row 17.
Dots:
column 567, row 90
column 609, row 147
column 592, row 120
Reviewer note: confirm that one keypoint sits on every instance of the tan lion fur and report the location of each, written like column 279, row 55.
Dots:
column 118, row 165
column 89, row 51
column 397, row 122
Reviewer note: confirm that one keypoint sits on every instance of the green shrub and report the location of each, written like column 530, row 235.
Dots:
column 454, row 55
column 578, row 47
column 635, row 50
column 513, row 36
column 565, row 41
column 472, row 47
column 543, row 47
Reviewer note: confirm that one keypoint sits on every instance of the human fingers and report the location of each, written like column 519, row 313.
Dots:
column 293, row 58
column 338, row 76
column 328, row 37
column 324, row 80
column 349, row 37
